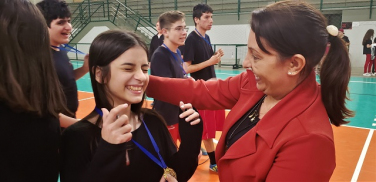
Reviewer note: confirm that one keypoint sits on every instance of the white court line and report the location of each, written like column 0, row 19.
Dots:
column 363, row 82
column 354, row 81
column 224, row 73
column 358, row 127
column 361, row 158
column 85, row 91
column 86, row 99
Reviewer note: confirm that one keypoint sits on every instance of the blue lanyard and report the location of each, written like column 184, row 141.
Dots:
column 177, row 60
column 206, row 40
column 160, row 162
column 69, row 48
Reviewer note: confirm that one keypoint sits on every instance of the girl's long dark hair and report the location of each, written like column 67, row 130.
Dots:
column 28, row 80
column 368, row 36
column 105, row 48
column 295, row 27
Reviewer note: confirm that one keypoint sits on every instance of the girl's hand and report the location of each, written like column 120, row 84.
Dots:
column 116, row 128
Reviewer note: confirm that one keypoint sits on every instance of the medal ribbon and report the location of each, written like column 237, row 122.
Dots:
column 206, row 40
column 177, row 60
column 160, row 162
column 69, row 48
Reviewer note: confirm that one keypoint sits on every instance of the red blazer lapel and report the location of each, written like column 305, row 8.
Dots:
column 272, row 123
column 248, row 98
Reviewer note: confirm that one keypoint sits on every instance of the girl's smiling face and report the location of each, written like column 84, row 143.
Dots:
column 128, row 77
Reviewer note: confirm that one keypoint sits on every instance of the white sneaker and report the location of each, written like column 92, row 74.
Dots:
column 366, row 74
column 374, row 74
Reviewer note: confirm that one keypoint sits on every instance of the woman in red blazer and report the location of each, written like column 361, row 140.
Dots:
column 279, row 125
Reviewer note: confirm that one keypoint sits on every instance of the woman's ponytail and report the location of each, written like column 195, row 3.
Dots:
column 335, row 76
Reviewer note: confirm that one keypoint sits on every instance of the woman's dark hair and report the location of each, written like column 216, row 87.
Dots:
column 199, row 9
column 105, row 48
column 295, row 27
column 53, row 9
column 368, row 36
column 29, row 82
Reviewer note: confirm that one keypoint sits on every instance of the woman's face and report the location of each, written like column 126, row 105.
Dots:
column 271, row 73
column 129, row 76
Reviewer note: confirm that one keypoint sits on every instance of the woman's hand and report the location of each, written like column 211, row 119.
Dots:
column 116, row 129
column 191, row 115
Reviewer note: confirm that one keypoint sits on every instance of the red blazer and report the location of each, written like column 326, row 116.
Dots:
column 292, row 142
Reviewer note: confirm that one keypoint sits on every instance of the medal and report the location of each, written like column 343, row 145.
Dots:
column 160, row 162
column 170, row 172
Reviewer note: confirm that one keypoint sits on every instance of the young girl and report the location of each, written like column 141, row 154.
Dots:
column 367, row 44
column 128, row 143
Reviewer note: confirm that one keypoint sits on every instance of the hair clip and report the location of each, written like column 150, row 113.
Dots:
column 332, row 30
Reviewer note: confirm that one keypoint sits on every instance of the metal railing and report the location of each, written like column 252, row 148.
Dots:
column 153, row 8
column 85, row 13
column 113, row 11
column 234, row 54
column 121, row 15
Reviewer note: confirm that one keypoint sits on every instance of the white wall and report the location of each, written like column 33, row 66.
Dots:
column 88, row 38
column 356, row 35
column 229, row 34
column 219, row 34
column 361, row 23
column 238, row 34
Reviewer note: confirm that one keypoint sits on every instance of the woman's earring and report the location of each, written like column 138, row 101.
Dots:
column 289, row 73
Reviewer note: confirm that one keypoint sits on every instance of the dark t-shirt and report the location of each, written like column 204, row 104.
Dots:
column 164, row 64
column 155, row 43
column 29, row 146
column 198, row 50
column 346, row 39
column 182, row 48
column 65, row 72
column 365, row 49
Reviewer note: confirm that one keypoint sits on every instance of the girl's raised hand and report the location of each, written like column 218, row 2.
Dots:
column 116, row 128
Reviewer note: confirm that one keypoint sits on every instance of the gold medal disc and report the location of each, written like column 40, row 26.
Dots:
column 170, row 172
